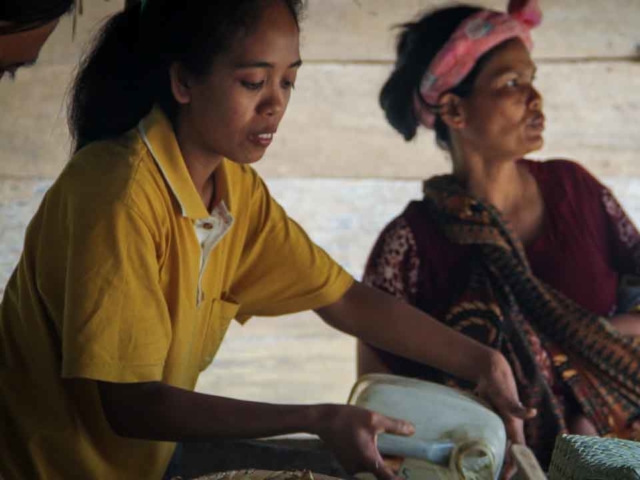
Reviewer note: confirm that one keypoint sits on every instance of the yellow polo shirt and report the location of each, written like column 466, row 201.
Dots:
column 127, row 277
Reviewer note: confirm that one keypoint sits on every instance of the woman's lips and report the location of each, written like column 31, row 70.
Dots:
column 262, row 139
column 537, row 122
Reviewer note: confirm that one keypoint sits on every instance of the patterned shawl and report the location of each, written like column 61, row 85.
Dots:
column 506, row 307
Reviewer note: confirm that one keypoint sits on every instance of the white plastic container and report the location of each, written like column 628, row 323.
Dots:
column 441, row 416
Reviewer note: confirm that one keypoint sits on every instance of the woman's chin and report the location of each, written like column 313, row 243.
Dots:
column 533, row 144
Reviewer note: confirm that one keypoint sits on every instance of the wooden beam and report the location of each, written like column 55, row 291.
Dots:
column 335, row 128
column 361, row 30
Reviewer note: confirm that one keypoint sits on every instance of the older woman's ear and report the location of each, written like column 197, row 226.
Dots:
column 452, row 111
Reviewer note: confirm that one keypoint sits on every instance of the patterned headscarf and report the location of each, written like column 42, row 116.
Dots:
column 474, row 37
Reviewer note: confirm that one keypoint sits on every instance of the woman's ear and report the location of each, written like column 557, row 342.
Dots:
column 452, row 111
column 180, row 84
column 423, row 114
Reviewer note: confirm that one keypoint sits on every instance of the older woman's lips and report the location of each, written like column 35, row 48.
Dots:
column 537, row 122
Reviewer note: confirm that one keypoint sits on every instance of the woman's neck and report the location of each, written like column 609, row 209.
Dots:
column 200, row 163
column 501, row 183
column 508, row 186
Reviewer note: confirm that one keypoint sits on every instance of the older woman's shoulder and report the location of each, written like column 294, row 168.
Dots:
column 557, row 165
column 561, row 169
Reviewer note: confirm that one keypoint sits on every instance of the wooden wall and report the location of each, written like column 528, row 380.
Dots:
column 589, row 74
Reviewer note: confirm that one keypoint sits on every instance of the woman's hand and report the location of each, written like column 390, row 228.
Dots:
column 498, row 387
column 510, row 468
column 350, row 432
column 627, row 323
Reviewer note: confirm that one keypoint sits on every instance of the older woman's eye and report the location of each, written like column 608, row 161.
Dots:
column 512, row 83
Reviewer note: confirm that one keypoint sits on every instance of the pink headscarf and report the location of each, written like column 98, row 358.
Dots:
column 474, row 37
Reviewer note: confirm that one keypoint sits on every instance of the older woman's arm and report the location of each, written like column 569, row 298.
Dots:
column 625, row 251
column 393, row 267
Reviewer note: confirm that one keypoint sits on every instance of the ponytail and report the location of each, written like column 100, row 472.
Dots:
column 109, row 93
column 418, row 44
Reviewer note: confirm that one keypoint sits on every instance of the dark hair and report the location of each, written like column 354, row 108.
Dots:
column 23, row 15
column 126, row 71
column 418, row 44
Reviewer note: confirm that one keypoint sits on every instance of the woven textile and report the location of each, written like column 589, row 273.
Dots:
column 594, row 458
column 508, row 308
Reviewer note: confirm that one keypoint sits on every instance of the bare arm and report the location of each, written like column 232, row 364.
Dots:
column 394, row 268
column 395, row 326
column 156, row 411
column 627, row 323
column 369, row 361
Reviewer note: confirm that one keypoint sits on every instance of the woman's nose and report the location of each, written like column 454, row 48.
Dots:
column 535, row 99
column 274, row 104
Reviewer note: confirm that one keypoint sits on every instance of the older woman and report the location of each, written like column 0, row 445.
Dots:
column 25, row 25
column 524, row 256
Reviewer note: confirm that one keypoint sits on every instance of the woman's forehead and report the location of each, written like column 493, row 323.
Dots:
column 274, row 39
column 512, row 55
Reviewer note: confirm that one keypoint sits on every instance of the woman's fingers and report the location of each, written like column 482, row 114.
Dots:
column 520, row 411
column 515, row 432
column 394, row 426
column 351, row 432
column 381, row 470
column 499, row 387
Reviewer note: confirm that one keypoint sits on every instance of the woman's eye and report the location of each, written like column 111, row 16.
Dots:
column 288, row 85
column 512, row 83
column 252, row 85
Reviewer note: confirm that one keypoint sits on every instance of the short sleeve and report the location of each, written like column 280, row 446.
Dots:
column 394, row 264
column 281, row 270
column 116, row 325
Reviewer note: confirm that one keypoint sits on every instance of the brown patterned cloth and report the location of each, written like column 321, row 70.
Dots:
column 506, row 307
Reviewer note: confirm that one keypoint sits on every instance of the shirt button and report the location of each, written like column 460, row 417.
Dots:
column 207, row 226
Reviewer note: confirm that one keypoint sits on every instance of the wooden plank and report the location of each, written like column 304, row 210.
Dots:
column 334, row 127
column 361, row 29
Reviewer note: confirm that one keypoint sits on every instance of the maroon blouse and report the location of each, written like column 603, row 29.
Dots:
column 586, row 243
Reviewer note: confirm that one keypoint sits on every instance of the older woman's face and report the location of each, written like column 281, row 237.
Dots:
column 22, row 48
column 503, row 115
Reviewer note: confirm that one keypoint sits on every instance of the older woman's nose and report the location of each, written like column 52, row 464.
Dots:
column 535, row 99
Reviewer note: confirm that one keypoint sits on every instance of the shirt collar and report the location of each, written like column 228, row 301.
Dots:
column 158, row 135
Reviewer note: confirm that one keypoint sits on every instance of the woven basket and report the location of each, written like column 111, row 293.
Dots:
column 594, row 458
